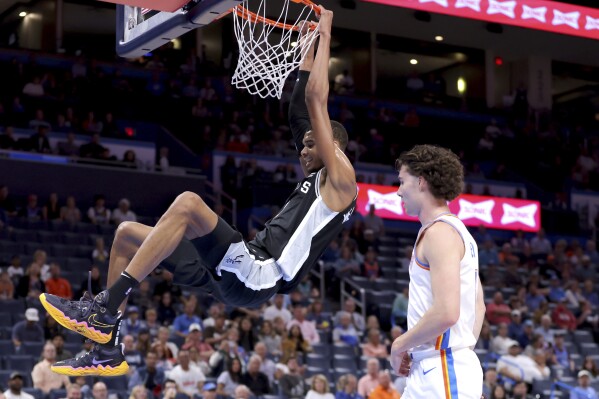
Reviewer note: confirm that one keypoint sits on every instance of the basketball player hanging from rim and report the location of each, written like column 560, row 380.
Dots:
column 446, row 305
column 202, row 250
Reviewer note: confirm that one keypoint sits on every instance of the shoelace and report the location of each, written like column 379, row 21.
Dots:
column 88, row 300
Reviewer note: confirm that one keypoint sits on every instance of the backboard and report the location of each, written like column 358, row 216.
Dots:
column 139, row 29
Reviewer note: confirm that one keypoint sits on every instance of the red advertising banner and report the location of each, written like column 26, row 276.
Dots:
column 552, row 16
column 473, row 210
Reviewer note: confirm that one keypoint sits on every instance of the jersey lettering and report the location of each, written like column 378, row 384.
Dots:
column 305, row 187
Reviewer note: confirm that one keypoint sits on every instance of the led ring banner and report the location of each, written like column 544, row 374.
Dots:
column 551, row 16
column 474, row 210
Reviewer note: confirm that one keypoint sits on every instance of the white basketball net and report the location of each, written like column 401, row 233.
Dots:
column 265, row 58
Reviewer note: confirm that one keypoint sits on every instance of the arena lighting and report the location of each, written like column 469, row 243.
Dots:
column 414, row 61
column 461, row 85
column 22, row 14
column 439, row 38
column 551, row 16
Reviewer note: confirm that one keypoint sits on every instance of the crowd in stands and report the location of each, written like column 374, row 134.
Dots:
column 200, row 106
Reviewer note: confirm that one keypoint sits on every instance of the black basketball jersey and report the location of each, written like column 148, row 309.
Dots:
column 298, row 235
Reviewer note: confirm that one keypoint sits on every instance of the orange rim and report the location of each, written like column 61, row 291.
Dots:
column 251, row 16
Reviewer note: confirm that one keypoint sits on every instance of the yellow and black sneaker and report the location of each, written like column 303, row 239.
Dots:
column 88, row 316
column 102, row 360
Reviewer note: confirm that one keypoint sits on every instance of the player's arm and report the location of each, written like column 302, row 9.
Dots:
column 481, row 308
column 443, row 249
column 340, row 172
column 299, row 119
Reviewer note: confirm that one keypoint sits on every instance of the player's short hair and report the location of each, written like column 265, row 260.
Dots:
column 339, row 134
column 440, row 167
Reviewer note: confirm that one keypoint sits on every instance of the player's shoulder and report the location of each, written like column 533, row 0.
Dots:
column 440, row 231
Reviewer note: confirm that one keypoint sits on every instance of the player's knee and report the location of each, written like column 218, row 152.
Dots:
column 187, row 204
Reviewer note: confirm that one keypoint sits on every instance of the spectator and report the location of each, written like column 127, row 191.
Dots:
column 270, row 338
column 488, row 255
column 163, row 161
column 561, row 355
column 345, row 332
column 357, row 319
column 132, row 355
column 93, row 149
column 170, row 389
column 556, row 291
column 255, row 380
column 150, row 376
column 99, row 214
column 6, row 202
column 70, row 213
column 344, row 83
column 15, row 269
column 277, row 309
column 188, row 377
column 370, row 380
column 15, row 386
column 588, row 292
column 294, row 344
column 209, row 392
column 242, row 392
column 96, row 282
column 563, row 317
column 308, row 329
column 384, row 390
column 132, row 325
column 498, row 311
column 39, row 142
column 61, row 352
column 100, row 254
column 316, row 315
column 517, row 366
column 292, row 384
column 498, row 392
column 584, row 389
column 162, row 339
column 374, row 222
column 184, row 321
column 268, row 366
column 34, row 88
column 490, row 382
column 166, row 311
column 540, row 245
column 123, row 213
column 545, row 329
column 56, row 285
column 51, row 211
column 32, row 211
column 347, row 387
column 400, row 308
column 534, row 297
column 516, row 327
column 7, row 287
column 320, row 388
column 370, row 267
column 28, row 330
column 194, row 340
column 44, row 378
column 31, row 284
column 229, row 380
column 139, row 392
column 68, row 148
column 99, row 391
column 588, row 364
column 74, row 391
column 39, row 120
column 167, row 285
column 501, row 342
column 374, row 347
column 7, row 139
column 247, row 337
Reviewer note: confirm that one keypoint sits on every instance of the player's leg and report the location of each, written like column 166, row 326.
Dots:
column 74, row 314
column 188, row 217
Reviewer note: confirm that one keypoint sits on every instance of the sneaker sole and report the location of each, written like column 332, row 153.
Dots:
column 80, row 327
column 107, row 371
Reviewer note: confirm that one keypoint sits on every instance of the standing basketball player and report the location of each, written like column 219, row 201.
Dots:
column 202, row 250
column 446, row 305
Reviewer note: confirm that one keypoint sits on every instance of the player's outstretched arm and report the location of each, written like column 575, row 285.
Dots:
column 443, row 249
column 340, row 172
column 299, row 119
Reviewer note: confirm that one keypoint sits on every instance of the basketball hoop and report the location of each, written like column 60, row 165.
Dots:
column 269, row 50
